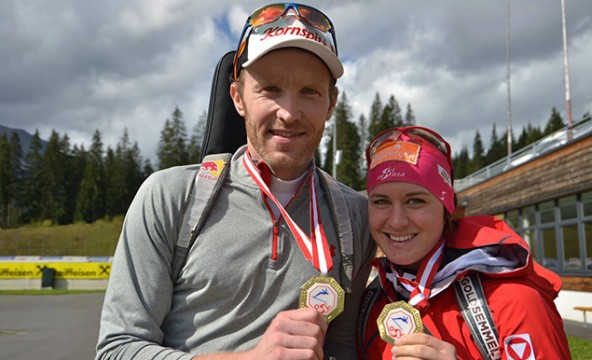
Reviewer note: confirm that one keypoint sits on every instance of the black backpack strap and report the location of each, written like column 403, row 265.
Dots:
column 207, row 184
column 225, row 128
column 224, row 133
column 475, row 310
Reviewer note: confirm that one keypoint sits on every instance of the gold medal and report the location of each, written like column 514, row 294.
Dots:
column 398, row 319
column 324, row 294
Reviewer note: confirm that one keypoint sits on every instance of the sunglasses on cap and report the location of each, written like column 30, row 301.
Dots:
column 416, row 133
column 271, row 13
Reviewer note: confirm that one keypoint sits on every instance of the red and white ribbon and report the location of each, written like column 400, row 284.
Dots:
column 419, row 288
column 314, row 248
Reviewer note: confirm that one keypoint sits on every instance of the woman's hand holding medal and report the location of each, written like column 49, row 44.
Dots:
column 422, row 346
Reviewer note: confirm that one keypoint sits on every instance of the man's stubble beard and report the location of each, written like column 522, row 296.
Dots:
column 290, row 158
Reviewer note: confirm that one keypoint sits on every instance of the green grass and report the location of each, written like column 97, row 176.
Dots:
column 81, row 239
column 580, row 348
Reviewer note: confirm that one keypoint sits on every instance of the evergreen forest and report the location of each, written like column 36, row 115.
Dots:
column 56, row 182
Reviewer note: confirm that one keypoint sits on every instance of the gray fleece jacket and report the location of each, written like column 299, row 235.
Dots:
column 237, row 276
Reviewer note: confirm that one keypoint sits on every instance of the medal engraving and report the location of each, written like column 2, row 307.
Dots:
column 398, row 319
column 323, row 294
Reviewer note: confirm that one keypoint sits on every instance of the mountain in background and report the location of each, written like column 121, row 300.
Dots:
column 24, row 137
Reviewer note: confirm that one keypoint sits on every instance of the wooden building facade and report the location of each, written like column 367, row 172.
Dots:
column 545, row 194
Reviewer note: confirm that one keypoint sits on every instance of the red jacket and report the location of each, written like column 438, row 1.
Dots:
column 519, row 292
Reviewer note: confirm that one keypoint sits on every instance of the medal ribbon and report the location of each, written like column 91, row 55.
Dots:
column 420, row 288
column 315, row 248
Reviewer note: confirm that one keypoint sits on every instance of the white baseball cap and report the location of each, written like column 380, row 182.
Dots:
column 291, row 29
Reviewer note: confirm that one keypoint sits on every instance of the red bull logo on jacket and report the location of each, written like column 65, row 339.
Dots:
column 212, row 169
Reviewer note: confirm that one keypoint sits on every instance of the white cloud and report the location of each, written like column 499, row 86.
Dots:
column 79, row 66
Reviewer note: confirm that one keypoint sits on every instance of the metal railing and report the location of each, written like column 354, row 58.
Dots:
column 543, row 146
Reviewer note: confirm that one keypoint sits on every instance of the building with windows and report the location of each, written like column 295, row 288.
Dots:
column 544, row 192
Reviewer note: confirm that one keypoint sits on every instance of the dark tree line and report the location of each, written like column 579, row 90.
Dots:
column 353, row 137
column 63, row 183
column 465, row 164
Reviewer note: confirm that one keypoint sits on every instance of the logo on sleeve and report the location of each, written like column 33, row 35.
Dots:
column 519, row 347
column 211, row 169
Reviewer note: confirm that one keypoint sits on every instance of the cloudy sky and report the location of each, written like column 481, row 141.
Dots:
column 76, row 66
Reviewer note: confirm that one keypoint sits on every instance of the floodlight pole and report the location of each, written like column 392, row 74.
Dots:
column 335, row 148
column 566, row 71
column 508, row 72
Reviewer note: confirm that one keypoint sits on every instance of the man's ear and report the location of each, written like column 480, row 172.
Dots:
column 236, row 98
column 333, row 95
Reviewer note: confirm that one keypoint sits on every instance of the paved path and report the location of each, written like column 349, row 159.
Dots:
column 66, row 327
column 52, row 327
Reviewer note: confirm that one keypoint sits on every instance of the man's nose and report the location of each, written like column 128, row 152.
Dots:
column 288, row 108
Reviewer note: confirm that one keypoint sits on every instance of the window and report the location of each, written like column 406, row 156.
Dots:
column 587, row 210
column 529, row 236
column 567, row 207
column 528, row 227
column 559, row 232
column 587, row 203
column 571, row 247
column 588, row 243
column 512, row 219
column 550, row 249
column 528, row 217
column 547, row 210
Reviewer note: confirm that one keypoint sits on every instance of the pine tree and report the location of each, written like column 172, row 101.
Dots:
column 14, row 211
column 391, row 115
column 124, row 175
column 554, row 123
column 7, row 182
column 195, row 142
column 113, row 184
column 496, row 148
column 409, row 116
column 374, row 122
column 17, row 155
column 462, row 163
column 53, row 194
column 529, row 135
column 72, row 178
column 384, row 118
column 478, row 161
column 90, row 203
column 134, row 174
column 30, row 201
column 348, row 142
column 165, row 151
column 147, row 169
column 395, row 118
column 172, row 148
column 76, row 169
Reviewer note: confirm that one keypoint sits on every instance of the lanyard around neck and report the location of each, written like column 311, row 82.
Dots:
column 314, row 247
column 420, row 288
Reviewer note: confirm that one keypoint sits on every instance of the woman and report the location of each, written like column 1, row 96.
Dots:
column 411, row 204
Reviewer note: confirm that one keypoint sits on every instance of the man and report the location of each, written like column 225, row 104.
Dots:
column 270, row 231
